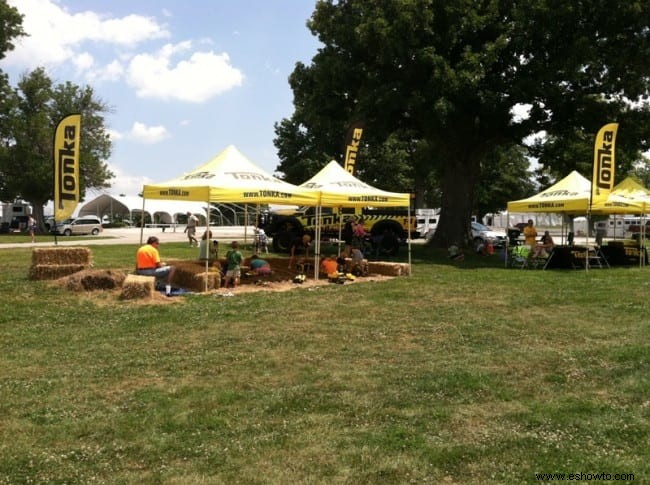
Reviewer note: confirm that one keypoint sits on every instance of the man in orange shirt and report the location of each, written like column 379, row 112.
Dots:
column 148, row 263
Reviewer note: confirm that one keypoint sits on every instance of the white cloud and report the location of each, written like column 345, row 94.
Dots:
column 125, row 183
column 148, row 134
column 141, row 133
column 83, row 61
column 114, row 135
column 56, row 35
column 110, row 72
column 197, row 79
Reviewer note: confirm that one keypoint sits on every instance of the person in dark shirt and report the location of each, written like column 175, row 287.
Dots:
column 299, row 245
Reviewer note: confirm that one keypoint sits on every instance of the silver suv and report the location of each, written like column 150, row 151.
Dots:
column 80, row 225
column 483, row 234
column 480, row 234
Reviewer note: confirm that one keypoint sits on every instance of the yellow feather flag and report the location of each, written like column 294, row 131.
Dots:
column 604, row 162
column 66, row 166
column 352, row 142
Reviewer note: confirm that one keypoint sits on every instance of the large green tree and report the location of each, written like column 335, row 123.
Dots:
column 33, row 110
column 448, row 75
column 10, row 27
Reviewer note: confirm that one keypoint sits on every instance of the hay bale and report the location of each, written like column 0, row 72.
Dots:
column 61, row 255
column 55, row 263
column 388, row 269
column 138, row 286
column 193, row 277
column 90, row 280
column 54, row 271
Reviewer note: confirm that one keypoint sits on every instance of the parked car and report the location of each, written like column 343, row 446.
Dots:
column 80, row 225
column 480, row 233
column 49, row 224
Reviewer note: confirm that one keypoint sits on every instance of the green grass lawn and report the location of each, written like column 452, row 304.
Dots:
column 462, row 373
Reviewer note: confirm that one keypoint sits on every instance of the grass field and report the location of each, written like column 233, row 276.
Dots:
column 462, row 373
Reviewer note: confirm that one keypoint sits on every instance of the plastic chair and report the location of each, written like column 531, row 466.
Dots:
column 520, row 256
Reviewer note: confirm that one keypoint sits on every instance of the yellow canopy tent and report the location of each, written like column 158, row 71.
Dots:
column 336, row 187
column 229, row 177
column 569, row 196
column 628, row 197
column 339, row 188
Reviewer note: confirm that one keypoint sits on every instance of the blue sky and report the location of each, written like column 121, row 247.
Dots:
column 184, row 78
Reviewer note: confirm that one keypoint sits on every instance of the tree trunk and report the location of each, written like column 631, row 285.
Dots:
column 37, row 212
column 459, row 181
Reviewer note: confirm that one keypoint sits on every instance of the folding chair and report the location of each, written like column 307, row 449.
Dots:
column 520, row 256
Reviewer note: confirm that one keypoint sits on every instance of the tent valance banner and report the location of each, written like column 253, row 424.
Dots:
column 230, row 177
column 339, row 188
column 571, row 195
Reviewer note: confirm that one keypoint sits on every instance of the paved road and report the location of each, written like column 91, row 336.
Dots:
column 132, row 236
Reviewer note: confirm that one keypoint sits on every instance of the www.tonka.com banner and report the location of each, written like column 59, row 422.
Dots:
column 66, row 166
column 602, row 182
column 352, row 141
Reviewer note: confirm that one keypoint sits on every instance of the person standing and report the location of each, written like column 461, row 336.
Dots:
column 299, row 244
column 31, row 227
column 530, row 234
column 234, row 259
column 148, row 263
column 192, row 222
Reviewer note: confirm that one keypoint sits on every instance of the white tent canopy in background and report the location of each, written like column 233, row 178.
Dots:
column 163, row 211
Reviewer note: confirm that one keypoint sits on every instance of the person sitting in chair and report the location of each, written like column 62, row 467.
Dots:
column 544, row 247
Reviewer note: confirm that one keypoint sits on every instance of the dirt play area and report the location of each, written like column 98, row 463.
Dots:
column 72, row 270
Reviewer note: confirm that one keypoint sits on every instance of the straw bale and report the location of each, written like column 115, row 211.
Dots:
column 138, row 286
column 193, row 276
column 61, row 255
column 388, row 269
column 53, row 271
column 89, row 280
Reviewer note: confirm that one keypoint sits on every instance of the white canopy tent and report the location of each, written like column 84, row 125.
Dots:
column 166, row 211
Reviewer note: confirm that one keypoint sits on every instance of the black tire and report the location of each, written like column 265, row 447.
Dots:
column 390, row 233
column 67, row 232
column 282, row 241
column 389, row 244
column 95, row 232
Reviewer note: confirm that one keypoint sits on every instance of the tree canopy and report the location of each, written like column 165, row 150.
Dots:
column 31, row 113
column 10, row 27
column 439, row 85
